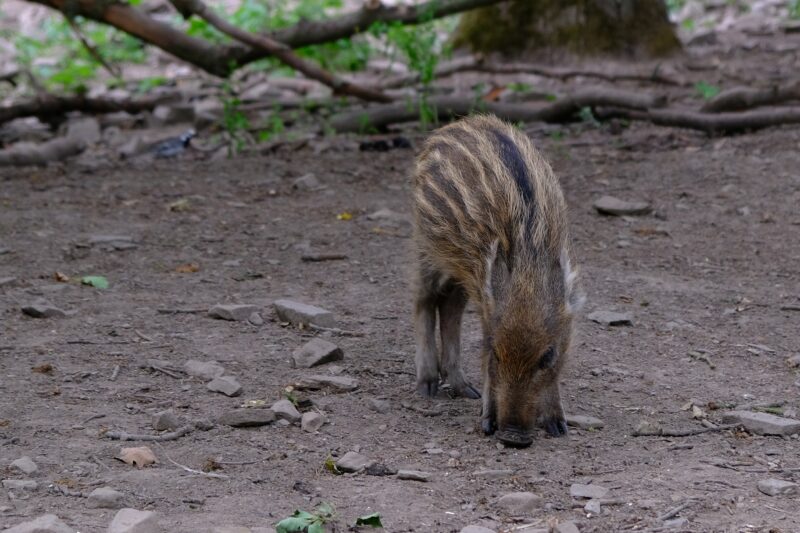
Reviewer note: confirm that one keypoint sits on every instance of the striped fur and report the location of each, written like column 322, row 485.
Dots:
column 491, row 222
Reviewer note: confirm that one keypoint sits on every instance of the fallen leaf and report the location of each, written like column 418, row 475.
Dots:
column 98, row 282
column 179, row 205
column 5, row 423
column 188, row 268
column 372, row 520
column 494, row 94
column 139, row 457
column 60, row 276
column 298, row 522
column 44, row 368
column 344, row 216
column 330, row 466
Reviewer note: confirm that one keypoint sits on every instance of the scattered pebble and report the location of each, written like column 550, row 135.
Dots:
column 112, row 242
column 578, row 490
column 392, row 217
column 676, row 523
column 6, row 280
column 316, row 352
column 593, row 506
column 777, row 487
column 493, row 474
column 106, row 498
column 255, row 319
column 762, row 423
column 307, row 182
column 235, row 312
column 242, row 418
column 610, row 318
column 584, row 422
column 413, row 475
column 285, row 410
column 206, row 370
column 166, row 420
column 793, row 361
column 378, row 405
column 476, row 529
column 86, row 129
column 43, row 309
column 352, row 462
column 609, row 205
column 48, row 523
column 25, row 465
column 379, row 469
column 227, row 385
column 204, row 424
column 312, row 421
column 319, row 381
column 134, row 521
column 566, row 527
column 302, row 314
column 520, row 502
column 19, row 484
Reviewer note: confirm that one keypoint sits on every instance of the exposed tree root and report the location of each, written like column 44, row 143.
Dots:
column 711, row 123
column 123, row 435
column 741, row 98
column 41, row 154
column 51, row 105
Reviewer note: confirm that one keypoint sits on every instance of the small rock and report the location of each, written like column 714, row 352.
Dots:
column 566, row 527
column 316, row 352
column 285, row 410
column 584, row 422
column 608, row 205
column 173, row 114
column 112, row 242
column 48, row 523
column 793, row 361
column 378, row 469
column 392, row 217
column 303, row 314
column 476, row 529
column 255, row 319
column 353, row 462
column 204, row 424
column 777, row 487
column 242, row 418
column 493, row 474
column 283, row 423
column 227, row 385
column 307, row 182
column 43, row 309
column 135, row 146
column 25, row 465
column 648, row 427
column 19, row 484
column 84, row 129
column 166, row 420
column 593, row 506
column 134, row 521
column 106, row 498
column 578, row 490
column 379, row 406
column 233, row 312
column 337, row 383
column 413, row 475
column 676, row 523
column 610, row 318
column 206, row 370
column 7, row 280
column 762, row 423
column 520, row 502
column 312, row 421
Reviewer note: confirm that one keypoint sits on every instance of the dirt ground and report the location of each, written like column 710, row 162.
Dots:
column 707, row 273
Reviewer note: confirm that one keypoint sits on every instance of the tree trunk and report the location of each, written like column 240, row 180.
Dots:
column 554, row 29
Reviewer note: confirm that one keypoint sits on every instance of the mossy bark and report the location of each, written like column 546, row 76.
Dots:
column 553, row 28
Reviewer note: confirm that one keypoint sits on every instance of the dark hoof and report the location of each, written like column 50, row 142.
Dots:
column 488, row 425
column 555, row 426
column 514, row 438
column 468, row 391
column 428, row 389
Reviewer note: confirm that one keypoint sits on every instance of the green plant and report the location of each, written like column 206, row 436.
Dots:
column 234, row 121
column 303, row 521
column 794, row 9
column 706, row 90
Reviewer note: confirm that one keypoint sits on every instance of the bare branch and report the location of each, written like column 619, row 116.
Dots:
column 740, row 98
column 711, row 123
column 49, row 105
column 90, row 47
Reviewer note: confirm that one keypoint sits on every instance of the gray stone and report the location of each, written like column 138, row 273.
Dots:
column 316, row 352
column 106, row 498
column 312, row 421
column 227, row 385
column 566, row 527
column 48, row 523
column 7, row 280
column 166, row 420
column 493, row 474
column 285, row 410
column 84, row 129
column 476, row 529
column 392, row 217
column 353, row 462
column 762, row 423
column 95, row 240
column 303, row 314
column 207, row 113
column 242, row 418
column 255, row 319
column 793, row 361
column 414, row 475
column 43, row 309
column 135, row 146
column 520, row 502
column 134, row 521
column 608, row 205
column 777, row 487
column 19, row 484
column 206, row 370
column 610, row 318
column 307, row 182
column 336, row 383
column 235, row 312
column 584, row 422
column 593, row 506
column 25, row 465
column 379, row 406
column 676, row 523
column 173, row 114
column 578, row 490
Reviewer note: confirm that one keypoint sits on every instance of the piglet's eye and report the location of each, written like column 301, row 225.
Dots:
column 548, row 359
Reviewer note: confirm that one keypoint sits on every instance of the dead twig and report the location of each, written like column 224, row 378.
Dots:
column 166, row 371
column 48, row 105
column 114, row 373
column 422, row 410
column 89, row 46
column 336, row 331
column 711, row 123
column 192, row 470
column 174, row 435
column 317, row 258
column 660, row 432
column 740, row 98
column 674, row 511
column 94, row 417
column 143, row 336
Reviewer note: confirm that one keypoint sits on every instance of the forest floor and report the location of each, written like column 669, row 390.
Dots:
column 710, row 279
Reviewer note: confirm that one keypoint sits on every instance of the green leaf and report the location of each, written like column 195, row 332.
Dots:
column 297, row 523
column 98, row 282
column 373, row 520
column 316, row 527
column 706, row 90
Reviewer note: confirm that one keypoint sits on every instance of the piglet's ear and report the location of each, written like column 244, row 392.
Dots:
column 497, row 275
column 572, row 292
